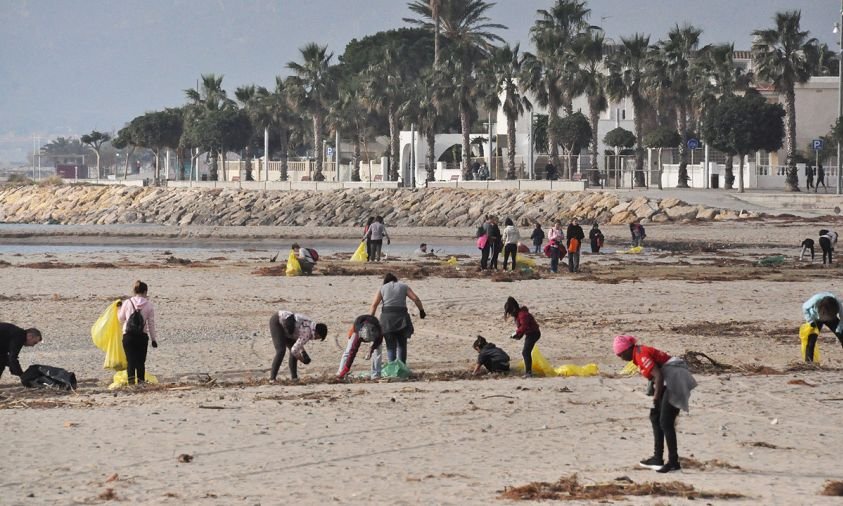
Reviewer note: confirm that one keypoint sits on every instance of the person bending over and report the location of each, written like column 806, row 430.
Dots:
column 293, row 331
column 490, row 357
column 12, row 340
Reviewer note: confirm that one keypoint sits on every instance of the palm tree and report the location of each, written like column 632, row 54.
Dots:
column 251, row 99
column 505, row 67
column 311, row 89
column 785, row 56
column 385, row 91
column 678, row 55
column 589, row 50
column 552, row 74
column 627, row 73
column 465, row 24
column 209, row 97
column 421, row 7
column 424, row 104
column 715, row 77
column 281, row 118
column 348, row 114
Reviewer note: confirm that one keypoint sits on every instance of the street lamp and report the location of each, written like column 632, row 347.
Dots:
column 838, row 29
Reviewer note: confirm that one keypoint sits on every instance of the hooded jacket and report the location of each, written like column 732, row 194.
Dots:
column 147, row 310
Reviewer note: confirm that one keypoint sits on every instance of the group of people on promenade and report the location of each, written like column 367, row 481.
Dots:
column 491, row 241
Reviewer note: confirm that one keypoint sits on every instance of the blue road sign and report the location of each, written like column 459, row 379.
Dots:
column 330, row 151
column 817, row 144
column 693, row 143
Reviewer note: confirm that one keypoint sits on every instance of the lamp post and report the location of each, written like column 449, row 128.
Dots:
column 838, row 29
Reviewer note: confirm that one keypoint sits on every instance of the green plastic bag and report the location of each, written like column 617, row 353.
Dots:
column 395, row 369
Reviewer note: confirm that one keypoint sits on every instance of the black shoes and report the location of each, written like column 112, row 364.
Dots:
column 653, row 462
column 670, row 466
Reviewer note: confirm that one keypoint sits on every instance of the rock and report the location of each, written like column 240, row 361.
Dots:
column 678, row 213
column 707, row 213
column 669, row 202
column 725, row 215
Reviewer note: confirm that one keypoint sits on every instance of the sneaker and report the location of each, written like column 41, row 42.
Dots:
column 670, row 466
column 527, row 375
column 653, row 462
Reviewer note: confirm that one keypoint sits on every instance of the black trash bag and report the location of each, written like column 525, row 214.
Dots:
column 45, row 376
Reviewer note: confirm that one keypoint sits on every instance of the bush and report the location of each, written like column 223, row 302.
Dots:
column 18, row 179
column 51, row 181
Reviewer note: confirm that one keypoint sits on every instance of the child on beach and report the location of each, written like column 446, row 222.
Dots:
column 672, row 384
column 494, row 359
column 526, row 327
column 538, row 238
column 822, row 309
column 366, row 329
column 137, row 314
column 595, row 236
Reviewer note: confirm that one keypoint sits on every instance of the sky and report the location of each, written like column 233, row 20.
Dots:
column 71, row 66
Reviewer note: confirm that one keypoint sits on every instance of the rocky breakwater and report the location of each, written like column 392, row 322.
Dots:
column 105, row 205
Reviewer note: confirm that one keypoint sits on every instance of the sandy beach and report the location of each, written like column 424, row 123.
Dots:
column 764, row 428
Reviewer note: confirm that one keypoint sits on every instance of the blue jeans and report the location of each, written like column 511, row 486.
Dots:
column 396, row 346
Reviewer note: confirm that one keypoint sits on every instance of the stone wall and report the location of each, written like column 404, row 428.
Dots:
column 90, row 204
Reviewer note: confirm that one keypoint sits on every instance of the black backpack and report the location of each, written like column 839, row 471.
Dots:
column 135, row 323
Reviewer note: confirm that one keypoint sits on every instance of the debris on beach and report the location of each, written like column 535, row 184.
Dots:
column 833, row 488
column 570, row 489
column 692, row 463
column 108, row 495
column 185, row 458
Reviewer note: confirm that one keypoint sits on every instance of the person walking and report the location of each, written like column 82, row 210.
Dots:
column 809, row 177
column 293, row 331
column 538, row 238
column 510, row 243
column 672, row 386
column 137, row 314
column 575, row 238
column 820, row 179
column 595, row 237
column 526, row 327
column 396, row 324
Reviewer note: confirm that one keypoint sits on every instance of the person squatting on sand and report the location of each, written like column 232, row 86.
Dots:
column 293, row 331
column 395, row 320
column 137, row 314
column 822, row 309
column 510, row 243
column 366, row 329
column 672, row 384
column 12, row 340
column 307, row 260
column 526, row 327
column 494, row 359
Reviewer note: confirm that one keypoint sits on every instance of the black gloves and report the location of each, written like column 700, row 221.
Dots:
column 422, row 314
column 154, row 344
column 305, row 358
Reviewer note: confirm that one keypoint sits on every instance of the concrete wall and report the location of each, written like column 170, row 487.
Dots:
column 282, row 185
column 518, row 184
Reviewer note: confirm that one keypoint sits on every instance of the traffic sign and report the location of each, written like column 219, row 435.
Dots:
column 693, row 143
column 330, row 152
column 817, row 144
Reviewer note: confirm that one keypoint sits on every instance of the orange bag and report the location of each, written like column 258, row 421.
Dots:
column 574, row 245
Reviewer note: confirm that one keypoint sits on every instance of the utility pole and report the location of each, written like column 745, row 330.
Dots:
column 839, row 28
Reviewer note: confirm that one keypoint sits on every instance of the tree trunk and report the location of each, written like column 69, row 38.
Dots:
column 510, row 147
column 682, row 121
column 128, row 157
column 214, row 165
column 552, row 140
column 637, row 106
column 594, row 174
column 99, row 171
column 660, row 168
column 284, row 143
column 224, row 170
column 430, row 137
column 792, row 181
column 729, row 176
column 466, row 145
column 393, row 142
column 436, row 42
column 355, row 171
column 248, row 151
column 317, row 141
column 740, row 174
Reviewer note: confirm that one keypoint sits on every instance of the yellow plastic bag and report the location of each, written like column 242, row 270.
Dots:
column 525, row 261
column 577, row 370
column 293, row 265
column 452, row 261
column 360, row 255
column 107, row 334
column 630, row 369
column 804, row 331
column 541, row 367
column 633, row 250
column 121, row 379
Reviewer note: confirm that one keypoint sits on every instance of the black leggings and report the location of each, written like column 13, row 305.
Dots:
column 509, row 250
column 825, row 244
column 496, row 250
column 135, row 347
column 281, row 341
column 484, row 256
column 663, row 418
column 530, row 341
column 812, row 339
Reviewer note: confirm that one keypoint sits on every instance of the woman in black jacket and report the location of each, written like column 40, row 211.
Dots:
column 575, row 237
